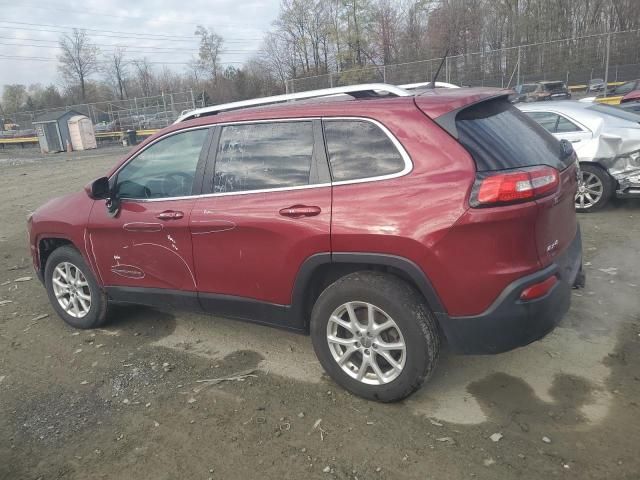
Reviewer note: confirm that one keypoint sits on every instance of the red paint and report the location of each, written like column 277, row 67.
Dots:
column 244, row 245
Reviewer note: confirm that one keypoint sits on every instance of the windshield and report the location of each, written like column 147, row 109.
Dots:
column 616, row 112
column 528, row 88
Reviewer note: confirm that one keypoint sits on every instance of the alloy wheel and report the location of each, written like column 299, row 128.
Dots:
column 366, row 343
column 590, row 190
column 71, row 289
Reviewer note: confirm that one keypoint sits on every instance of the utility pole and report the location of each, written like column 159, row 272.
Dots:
column 606, row 65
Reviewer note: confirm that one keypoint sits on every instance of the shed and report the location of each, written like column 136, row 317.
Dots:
column 81, row 132
column 53, row 130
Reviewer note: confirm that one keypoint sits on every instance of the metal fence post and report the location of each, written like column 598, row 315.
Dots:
column 384, row 74
column 606, row 65
column 193, row 100
column 446, row 70
column 518, row 74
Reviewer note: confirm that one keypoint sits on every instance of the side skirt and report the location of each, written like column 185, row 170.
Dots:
column 239, row 308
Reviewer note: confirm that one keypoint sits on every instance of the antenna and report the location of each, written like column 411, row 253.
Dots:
column 433, row 82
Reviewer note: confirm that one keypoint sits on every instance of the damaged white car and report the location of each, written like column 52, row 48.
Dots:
column 607, row 142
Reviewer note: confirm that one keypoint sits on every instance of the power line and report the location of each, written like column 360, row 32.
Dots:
column 51, row 59
column 104, row 14
column 125, row 49
column 151, row 36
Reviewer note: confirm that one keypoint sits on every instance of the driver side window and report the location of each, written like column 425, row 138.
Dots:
column 165, row 169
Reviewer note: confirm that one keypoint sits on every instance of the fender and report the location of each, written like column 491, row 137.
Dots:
column 402, row 264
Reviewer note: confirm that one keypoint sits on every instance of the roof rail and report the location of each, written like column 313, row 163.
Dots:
column 357, row 91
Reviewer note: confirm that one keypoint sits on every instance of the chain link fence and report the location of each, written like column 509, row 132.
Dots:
column 575, row 61
column 118, row 115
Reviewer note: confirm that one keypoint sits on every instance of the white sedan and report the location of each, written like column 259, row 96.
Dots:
column 607, row 142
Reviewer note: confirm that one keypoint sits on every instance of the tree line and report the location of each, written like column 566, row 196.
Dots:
column 315, row 37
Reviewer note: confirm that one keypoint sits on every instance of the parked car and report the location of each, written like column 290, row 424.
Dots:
column 540, row 91
column 607, row 142
column 616, row 94
column 595, row 85
column 379, row 225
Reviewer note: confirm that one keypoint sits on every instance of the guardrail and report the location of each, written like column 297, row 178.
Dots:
column 22, row 141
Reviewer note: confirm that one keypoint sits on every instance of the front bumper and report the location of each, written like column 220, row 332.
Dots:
column 509, row 322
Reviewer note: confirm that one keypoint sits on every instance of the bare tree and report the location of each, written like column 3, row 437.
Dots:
column 209, row 53
column 144, row 76
column 79, row 58
column 117, row 70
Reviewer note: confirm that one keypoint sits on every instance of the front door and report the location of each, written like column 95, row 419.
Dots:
column 270, row 210
column 148, row 243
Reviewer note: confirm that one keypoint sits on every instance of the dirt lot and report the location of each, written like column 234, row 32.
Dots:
column 124, row 402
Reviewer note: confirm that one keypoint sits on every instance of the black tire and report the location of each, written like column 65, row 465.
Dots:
column 97, row 313
column 607, row 188
column 408, row 310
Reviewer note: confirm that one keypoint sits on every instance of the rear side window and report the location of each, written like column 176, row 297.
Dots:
column 554, row 123
column 360, row 149
column 263, row 156
column 499, row 136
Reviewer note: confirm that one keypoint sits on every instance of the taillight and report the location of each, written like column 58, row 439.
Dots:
column 539, row 289
column 514, row 186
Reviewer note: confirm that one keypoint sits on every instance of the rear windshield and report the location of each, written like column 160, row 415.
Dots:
column 617, row 112
column 499, row 136
column 554, row 86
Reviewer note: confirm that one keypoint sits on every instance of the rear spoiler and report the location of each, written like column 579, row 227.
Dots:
column 441, row 113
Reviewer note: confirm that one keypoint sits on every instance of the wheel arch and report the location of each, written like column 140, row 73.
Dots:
column 321, row 270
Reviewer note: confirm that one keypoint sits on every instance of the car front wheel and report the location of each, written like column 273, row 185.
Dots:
column 73, row 290
column 374, row 335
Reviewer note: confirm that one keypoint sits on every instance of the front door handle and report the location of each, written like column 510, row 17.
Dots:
column 576, row 141
column 299, row 211
column 170, row 215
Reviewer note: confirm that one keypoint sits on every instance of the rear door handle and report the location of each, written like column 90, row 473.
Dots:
column 298, row 211
column 170, row 215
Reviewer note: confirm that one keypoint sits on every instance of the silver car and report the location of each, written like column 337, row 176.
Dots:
column 607, row 142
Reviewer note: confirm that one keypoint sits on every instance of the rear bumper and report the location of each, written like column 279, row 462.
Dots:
column 509, row 322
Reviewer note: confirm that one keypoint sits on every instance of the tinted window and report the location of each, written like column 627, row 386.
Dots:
column 165, row 169
column 263, row 155
column 549, row 87
column 360, row 149
column 499, row 136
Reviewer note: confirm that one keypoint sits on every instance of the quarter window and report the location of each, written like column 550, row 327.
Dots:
column 553, row 122
column 165, row 169
column 263, row 156
column 360, row 149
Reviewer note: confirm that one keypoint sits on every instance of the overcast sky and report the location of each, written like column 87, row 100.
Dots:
column 32, row 28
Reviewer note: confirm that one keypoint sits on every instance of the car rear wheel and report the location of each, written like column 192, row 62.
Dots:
column 375, row 336
column 594, row 189
column 73, row 290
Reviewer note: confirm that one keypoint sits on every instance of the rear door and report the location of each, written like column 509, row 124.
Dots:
column 268, row 210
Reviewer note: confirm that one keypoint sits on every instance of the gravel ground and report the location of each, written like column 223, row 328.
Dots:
column 125, row 402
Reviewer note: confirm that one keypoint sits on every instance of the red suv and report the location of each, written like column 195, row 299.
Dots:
column 380, row 224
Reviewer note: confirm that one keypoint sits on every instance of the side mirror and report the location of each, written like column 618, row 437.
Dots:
column 100, row 189
column 567, row 148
